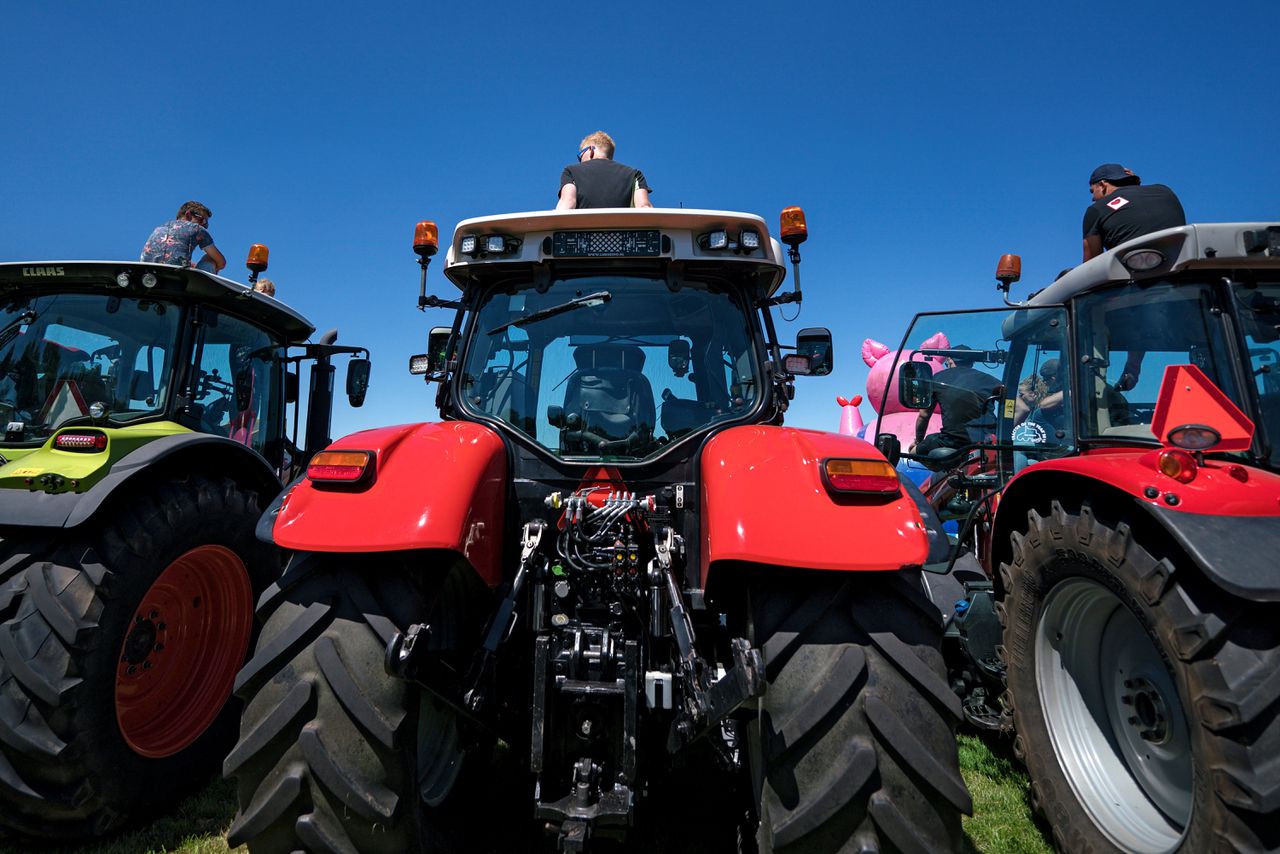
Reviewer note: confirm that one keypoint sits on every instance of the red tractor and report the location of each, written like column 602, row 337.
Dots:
column 608, row 571
column 1108, row 455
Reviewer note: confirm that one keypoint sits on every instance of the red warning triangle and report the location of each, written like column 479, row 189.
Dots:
column 64, row 402
column 1187, row 396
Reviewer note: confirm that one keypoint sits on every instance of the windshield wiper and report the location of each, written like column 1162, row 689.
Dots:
column 10, row 330
column 598, row 298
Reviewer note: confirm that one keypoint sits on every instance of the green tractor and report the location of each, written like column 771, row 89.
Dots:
column 142, row 433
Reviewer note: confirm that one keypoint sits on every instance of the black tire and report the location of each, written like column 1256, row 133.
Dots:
column 1172, row 744
column 854, row 748
column 330, row 756
column 67, row 604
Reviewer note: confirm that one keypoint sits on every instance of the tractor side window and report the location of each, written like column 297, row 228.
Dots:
column 977, row 380
column 1127, row 337
column 232, row 389
column 502, row 388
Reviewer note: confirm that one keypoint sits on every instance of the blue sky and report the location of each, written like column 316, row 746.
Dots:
column 923, row 140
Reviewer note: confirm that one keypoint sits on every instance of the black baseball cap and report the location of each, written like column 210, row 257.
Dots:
column 1114, row 173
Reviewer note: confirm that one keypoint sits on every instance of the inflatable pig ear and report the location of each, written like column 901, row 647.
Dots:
column 873, row 351
column 936, row 342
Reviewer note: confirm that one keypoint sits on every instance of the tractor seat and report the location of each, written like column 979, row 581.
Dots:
column 608, row 402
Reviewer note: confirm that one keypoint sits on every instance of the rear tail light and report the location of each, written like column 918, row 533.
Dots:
column 1177, row 464
column 874, row 477
column 340, row 466
column 83, row 441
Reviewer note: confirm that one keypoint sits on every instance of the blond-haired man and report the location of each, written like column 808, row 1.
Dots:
column 265, row 286
column 599, row 181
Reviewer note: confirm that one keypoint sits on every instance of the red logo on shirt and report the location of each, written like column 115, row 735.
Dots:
column 1117, row 203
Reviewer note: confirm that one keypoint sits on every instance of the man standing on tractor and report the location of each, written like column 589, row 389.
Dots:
column 598, row 181
column 1123, row 209
column 175, row 242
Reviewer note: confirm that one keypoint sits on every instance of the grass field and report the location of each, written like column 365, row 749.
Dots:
column 1001, row 823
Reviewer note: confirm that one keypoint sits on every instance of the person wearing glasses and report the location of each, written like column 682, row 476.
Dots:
column 1123, row 209
column 175, row 242
column 599, row 181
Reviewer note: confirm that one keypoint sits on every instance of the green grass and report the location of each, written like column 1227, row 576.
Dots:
column 1001, row 823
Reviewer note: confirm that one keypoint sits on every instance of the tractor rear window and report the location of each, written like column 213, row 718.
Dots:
column 611, row 367
column 63, row 356
column 1258, row 306
column 1128, row 335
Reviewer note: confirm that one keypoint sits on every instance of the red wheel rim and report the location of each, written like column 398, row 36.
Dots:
column 185, row 642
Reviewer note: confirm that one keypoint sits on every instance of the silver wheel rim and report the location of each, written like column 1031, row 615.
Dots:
column 1114, row 717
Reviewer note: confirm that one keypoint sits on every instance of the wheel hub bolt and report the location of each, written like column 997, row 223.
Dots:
column 1151, row 720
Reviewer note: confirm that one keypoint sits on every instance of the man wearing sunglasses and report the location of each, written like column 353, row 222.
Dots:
column 598, row 181
column 1123, row 209
column 175, row 242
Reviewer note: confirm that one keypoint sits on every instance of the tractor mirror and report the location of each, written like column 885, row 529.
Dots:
column 915, row 385
column 889, row 445
column 437, row 349
column 555, row 416
column 358, row 380
column 678, row 356
column 814, row 346
column 290, row 387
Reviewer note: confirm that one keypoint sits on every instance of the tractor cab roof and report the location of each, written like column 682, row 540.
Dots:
column 613, row 239
column 1237, row 245
column 176, row 283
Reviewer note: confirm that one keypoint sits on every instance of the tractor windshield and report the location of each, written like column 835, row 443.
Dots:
column 967, row 381
column 63, row 355
column 1127, row 336
column 611, row 367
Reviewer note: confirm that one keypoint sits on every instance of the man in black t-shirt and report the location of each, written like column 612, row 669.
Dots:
column 1123, row 209
column 598, row 181
column 964, row 395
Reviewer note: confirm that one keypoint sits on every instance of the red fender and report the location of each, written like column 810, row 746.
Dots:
column 435, row 486
column 764, row 501
column 1220, row 488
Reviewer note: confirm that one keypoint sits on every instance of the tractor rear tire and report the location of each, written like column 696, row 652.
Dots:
column 119, row 642
column 854, row 748
column 1144, row 697
column 335, row 755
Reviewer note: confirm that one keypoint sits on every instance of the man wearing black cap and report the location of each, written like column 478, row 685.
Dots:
column 1123, row 209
